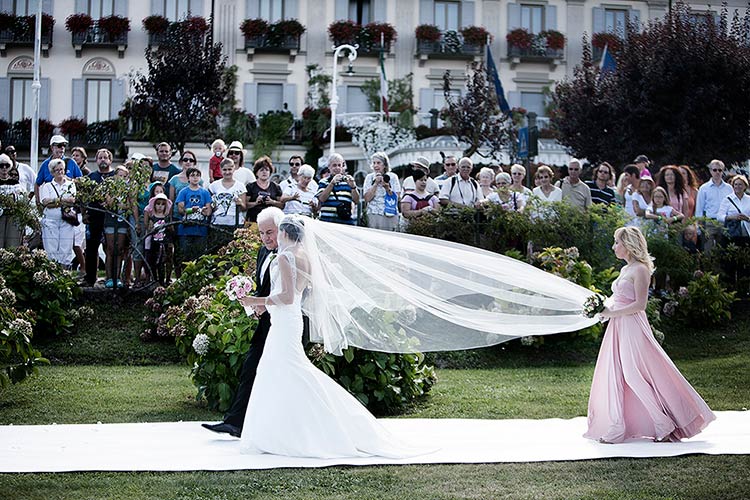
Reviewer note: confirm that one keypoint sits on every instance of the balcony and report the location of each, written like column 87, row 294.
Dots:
column 272, row 44
column 372, row 39
column 163, row 32
column 545, row 47
column 450, row 45
column 97, row 37
column 19, row 31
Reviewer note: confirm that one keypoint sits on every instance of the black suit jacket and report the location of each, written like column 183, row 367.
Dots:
column 262, row 289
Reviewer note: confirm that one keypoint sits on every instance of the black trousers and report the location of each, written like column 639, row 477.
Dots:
column 93, row 240
column 236, row 413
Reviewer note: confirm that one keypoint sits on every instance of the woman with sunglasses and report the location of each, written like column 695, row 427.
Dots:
column 10, row 232
column 180, row 181
column 236, row 153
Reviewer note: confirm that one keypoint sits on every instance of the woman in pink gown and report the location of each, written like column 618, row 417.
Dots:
column 637, row 391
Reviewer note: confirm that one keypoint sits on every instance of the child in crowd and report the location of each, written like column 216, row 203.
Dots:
column 159, row 246
column 660, row 209
column 214, row 164
column 194, row 205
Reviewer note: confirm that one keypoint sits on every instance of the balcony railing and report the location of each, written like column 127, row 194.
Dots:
column 95, row 37
column 15, row 37
column 267, row 43
column 450, row 45
column 540, row 54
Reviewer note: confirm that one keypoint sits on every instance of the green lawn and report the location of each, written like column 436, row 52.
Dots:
column 134, row 382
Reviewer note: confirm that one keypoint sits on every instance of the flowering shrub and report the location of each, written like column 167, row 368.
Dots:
column 705, row 301
column 18, row 358
column 155, row 24
column 344, row 31
column 381, row 136
column 555, row 40
column 427, row 33
column 42, row 286
column 72, row 127
column 475, row 35
column 214, row 333
column 114, row 26
column 78, row 23
column 610, row 40
column 252, row 28
column 520, row 38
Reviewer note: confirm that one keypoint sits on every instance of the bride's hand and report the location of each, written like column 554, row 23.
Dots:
column 250, row 301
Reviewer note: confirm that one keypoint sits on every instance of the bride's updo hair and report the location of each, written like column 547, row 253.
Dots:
column 293, row 227
column 635, row 243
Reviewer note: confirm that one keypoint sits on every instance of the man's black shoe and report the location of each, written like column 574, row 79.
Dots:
column 223, row 428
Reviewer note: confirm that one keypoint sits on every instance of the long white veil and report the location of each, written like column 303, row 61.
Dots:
column 394, row 292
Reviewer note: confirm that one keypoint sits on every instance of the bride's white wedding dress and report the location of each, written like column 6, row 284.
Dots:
column 297, row 410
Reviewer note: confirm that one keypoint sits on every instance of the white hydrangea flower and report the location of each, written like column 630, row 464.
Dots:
column 201, row 344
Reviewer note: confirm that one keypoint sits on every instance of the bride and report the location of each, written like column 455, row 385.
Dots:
column 389, row 293
column 295, row 409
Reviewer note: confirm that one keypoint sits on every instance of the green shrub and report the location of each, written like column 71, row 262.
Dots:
column 18, row 358
column 703, row 302
column 43, row 286
column 674, row 265
column 214, row 334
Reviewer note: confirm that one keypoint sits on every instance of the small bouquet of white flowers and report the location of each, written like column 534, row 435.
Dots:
column 593, row 305
column 239, row 287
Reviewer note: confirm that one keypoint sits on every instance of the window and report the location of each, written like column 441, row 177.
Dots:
column 270, row 97
column 174, row 10
column 272, row 10
column 533, row 101
column 359, row 11
column 98, row 96
column 447, row 15
column 615, row 21
column 532, row 18
column 21, row 103
column 25, row 7
column 101, row 8
column 701, row 19
column 356, row 100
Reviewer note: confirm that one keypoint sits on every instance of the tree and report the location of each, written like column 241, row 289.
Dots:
column 475, row 116
column 680, row 94
column 184, row 89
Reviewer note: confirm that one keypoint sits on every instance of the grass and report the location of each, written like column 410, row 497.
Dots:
column 138, row 383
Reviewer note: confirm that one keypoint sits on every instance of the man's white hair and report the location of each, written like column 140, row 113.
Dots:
column 270, row 214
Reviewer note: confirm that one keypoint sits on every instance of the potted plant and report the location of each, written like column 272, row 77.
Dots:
column 73, row 127
column 475, row 35
column 156, row 25
column 78, row 23
column 427, row 33
column 555, row 39
column 7, row 21
column 343, row 31
column 610, row 40
column 519, row 38
column 285, row 34
column 376, row 31
column 114, row 26
column 196, row 25
column 254, row 28
column 289, row 27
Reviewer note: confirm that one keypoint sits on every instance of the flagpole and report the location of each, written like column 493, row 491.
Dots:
column 36, row 87
column 382, row 57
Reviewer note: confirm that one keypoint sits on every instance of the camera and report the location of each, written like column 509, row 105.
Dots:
column 386, row 178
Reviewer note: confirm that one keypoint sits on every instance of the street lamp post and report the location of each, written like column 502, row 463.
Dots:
column 334, row 93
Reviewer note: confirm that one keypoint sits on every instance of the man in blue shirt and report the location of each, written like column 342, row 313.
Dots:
column 711, row 193
column 57, row 150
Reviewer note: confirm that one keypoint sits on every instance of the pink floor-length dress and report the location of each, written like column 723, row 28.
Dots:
column 637, row 391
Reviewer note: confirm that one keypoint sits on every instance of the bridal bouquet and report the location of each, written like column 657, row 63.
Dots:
column 239, row 287
column 593, row 305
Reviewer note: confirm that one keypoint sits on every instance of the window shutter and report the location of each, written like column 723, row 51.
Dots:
column 252, row 9
column 44, row 98
column 290, row 97
column 117, row 98
column 157, row 7
column 550, row 15
column 467, row 13
column 291, row 9
column 598, row 14
column 514, row 16
column 78, row 107
column 82, row 6
column 341, row 90
column 426, row 12
column 635, row 19
column 5, row 98
column 121, row 9
column 514, row 99
column 379, row 11
column 250, row 98
column 341, row 10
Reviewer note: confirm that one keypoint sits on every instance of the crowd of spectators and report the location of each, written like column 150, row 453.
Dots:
column 178, row 215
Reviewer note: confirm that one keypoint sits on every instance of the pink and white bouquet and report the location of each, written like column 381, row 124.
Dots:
column 593, row 305
column 239, row 287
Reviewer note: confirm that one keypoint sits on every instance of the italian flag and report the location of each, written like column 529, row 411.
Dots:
column 383, row 83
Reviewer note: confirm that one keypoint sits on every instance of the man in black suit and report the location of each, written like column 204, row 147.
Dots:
column 268, row 226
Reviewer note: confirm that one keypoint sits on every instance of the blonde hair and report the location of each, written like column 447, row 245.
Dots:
column 486, row 172
column 219, row 142
column 517, row 168
column 739, row 177
column 635, row 243
column 663, row 192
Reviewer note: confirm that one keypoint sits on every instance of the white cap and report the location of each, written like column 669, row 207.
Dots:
column 58, row 139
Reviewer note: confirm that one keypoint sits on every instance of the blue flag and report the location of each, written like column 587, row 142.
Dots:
column 495, row 79
column 608, row 64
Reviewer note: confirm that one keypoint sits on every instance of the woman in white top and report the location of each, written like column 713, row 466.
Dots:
column 381, row 192
column 736, row 206
column 486, row 179
column 57, row 234
column 518, row 175
column 300, row 199
column 546, row 191
column 509, row 200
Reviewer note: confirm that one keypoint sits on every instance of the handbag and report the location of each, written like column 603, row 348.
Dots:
column 734, row 226
column 68, row 213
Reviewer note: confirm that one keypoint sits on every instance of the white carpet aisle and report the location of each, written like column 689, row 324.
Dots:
column 184, row 446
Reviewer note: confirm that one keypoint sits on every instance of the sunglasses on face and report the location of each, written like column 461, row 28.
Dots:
column 4, row 165
column 517, row 173
column 450, row 164
column 233, row 153
column 10, row 151
column 717, row 170
column 58, row 145
column 188, row 160
column 295, row 164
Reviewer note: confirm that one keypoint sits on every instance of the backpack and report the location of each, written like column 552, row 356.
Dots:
column 421, row 202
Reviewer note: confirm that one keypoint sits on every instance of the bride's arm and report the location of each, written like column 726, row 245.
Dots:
column 641, row 280
column 285, row 296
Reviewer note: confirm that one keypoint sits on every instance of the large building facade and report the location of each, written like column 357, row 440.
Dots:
column 88, row 76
